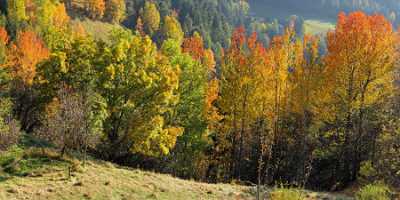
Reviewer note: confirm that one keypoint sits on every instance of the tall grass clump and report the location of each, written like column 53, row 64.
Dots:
column 287, row 194
column 374, row 192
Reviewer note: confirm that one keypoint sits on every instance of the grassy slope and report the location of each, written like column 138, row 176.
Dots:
column 99, row 30
column 34, row 176
column 29, row 174
column 104, row 181
column 317, row 27
column 314, row 24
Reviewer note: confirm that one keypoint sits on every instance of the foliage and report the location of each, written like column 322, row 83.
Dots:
column 143, row 98
column 25, row 54
column 189, row 111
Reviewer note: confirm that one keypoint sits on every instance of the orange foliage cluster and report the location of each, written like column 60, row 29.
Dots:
column 26, row 53
column 3, row 35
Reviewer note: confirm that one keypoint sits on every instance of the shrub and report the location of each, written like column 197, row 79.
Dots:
column 374, row 192
column 287, row 194
column 367, row 173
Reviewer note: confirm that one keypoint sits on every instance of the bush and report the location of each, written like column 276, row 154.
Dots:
column 374, row 192
column 287, row 194
column 368, row 173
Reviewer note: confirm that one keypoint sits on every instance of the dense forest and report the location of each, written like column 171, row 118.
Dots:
column 203, row 90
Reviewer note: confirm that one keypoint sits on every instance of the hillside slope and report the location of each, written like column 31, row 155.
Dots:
column 324, row 9
column 42, row 174
column 320, row 15
column 104, row 181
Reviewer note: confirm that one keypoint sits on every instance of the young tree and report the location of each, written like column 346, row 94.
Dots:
column 72, row 120
column 139, row 26
column 151, row 18
column 240, row 87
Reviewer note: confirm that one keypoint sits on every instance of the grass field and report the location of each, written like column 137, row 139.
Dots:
column 98, row 30
column 34, row 175
column 314, row 23
column 37, row 174
column 317, row 27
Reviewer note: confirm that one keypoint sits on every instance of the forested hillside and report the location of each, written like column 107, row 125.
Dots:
column 325, row 9
column 204, row 90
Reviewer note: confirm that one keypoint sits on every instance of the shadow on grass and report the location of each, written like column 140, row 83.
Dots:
column 28, row 141
column 3, row 178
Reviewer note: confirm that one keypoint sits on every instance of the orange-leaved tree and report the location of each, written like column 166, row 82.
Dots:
column 359, row 64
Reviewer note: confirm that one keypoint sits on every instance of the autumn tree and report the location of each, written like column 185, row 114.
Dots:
column 71, row 121
column 139, row 26
column 139, row 85
column 304, row 88
column 115, row 10
column 189, row 112
column 194, row 46
column 151, row 18
column 16, row 14
column 74, row 111
column 171, row 29
column 360, row 61
column 24, row 55
column 9, row 127
column 136, row 83
column 52, row 23
column 238, row 100
column 95, row 8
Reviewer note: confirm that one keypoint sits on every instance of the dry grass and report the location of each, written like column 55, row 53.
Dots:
column 316, row 27
column 97, row 29
column 42, row 174
column 99, row 180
